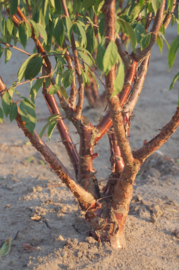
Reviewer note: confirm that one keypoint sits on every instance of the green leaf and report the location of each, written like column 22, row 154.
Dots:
column 51, row 119
column 176, row 78
column 119, row 81
column 51, row 129
column 6, row 103
column 21, row 72
column 128, row 30
column 29, row 30
column 68, row 78
column 13, row 112
column 94, row 79
column 82, row 34
column 28, row 115
column 42, row 32
column 110, row 57
column 141, row 3
column 29, row 101
column 34, row 25
column 43, row 130
column 139, row 31
column 156, row 4
column 7, row 55
column 35, row 88
column 102, row 26
column 6, row 247
column 87, row 3
column 135, row 11
column 160, row 43
column 23, row 34
column 173, row 52
column 169, row 4
column 54, row 89
column 68, row 27
column 33, row 67
column 1, row 50
column 9, row 25
column 1, row 115
column 100, row 56
column 98, row 5
column 63, row 91
column 52, row 3
column 59, row 31
column 91, row 40
column 83, row 76
column 145, row 41
column 13, row 6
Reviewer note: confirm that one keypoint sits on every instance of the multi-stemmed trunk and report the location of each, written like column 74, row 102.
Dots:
column 106, row 210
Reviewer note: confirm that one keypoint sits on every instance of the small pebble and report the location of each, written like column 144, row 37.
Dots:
column 90, row 240
column 38, row 188
column 176, row 233
column 137, row 198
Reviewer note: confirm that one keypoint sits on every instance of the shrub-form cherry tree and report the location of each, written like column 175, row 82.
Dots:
column 86, row 37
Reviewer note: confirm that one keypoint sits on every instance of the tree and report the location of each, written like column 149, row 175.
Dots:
column 82, row 36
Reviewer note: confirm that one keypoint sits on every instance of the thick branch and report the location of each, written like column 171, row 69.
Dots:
column 154, row 144
column 52, row 105
column 106, row 121
column 85, row 199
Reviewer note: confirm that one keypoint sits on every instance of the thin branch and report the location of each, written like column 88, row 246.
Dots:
column 73, row 91
column 14, row 47
column 140, row 54
column 33, row 79
column 125, row 58
column 168, row 16
column 137, row 88
column 150, row 147
column 77, row 68
column 64, row 133
column 83, row 63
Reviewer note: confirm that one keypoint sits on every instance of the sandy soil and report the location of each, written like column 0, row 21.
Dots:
column 34, row 202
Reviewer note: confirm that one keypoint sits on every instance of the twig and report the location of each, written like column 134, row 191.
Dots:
column 77, row 68
column 82, row 61
column 16, row 235
column 14, row 47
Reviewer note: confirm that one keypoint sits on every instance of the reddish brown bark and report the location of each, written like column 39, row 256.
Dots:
column 52, row 105
column 79, row 105
column 64, row 133
column 106, row 121
column 85, row 199
column 139, row 55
